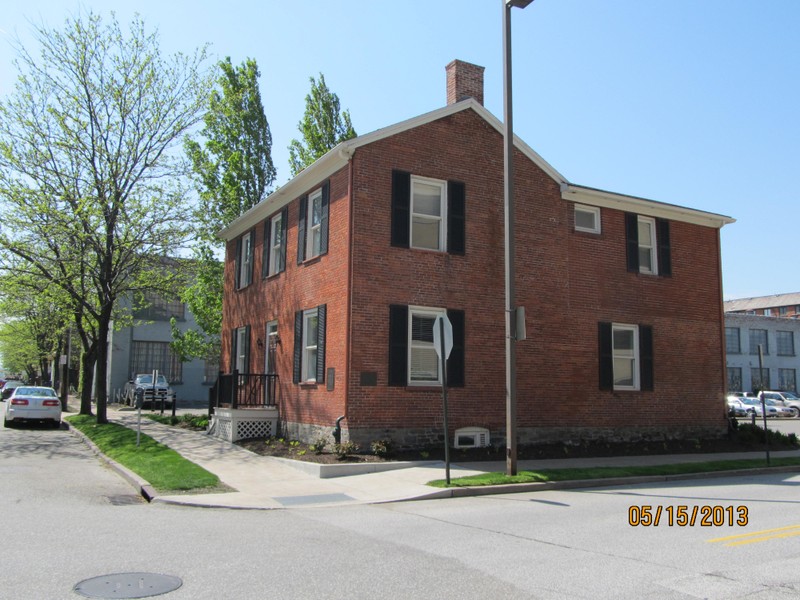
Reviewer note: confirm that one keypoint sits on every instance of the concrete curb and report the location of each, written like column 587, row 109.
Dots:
column 142, row 486
column 346, row 469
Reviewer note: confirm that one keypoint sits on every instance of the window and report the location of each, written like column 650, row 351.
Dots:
column 423, row 362
column 648, row 245
column 767, row 312
column 428, row 213
column 732, row 340
column 783, row 311
column 240, row 349
column 312, row 237
column 787, row 380
column 272, row 340
column 587, row 218
column 412, row 357
column 244, row 260
column 309, row 345
column 274, row 250
column 758, row 337
column 785, row 341
column 157, row 308
column 210, row 370
column 147, row 357
column 735, row 379
column 626, row 356
column 759, row 379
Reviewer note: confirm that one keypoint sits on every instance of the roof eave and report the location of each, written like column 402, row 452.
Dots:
column 586, row 195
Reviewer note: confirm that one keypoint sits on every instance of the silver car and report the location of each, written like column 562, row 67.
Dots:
column 33, row 403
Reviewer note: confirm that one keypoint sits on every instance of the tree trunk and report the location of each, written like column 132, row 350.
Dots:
column 101, row 391
column 85, row 383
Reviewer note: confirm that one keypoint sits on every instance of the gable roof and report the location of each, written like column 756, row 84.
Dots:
column 340, row 155
column 759, row 302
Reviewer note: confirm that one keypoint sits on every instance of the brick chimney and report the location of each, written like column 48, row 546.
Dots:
column 464, row 80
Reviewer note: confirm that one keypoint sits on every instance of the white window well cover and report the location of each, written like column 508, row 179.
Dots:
column 471, row 437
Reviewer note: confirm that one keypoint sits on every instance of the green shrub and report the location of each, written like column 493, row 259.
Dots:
column 319, row 445
column 344, row 449
column 382, row 448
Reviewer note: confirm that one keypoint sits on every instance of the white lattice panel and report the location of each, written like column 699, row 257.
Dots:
column 254, row 429
column 233, row 425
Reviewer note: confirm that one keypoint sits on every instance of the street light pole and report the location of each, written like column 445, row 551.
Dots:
column 508, row 205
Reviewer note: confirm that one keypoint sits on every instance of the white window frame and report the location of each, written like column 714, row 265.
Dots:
column 274, row 244
column 271, row 335
column 313, row 231
column 626, row 354
column 417, row 345
column 245, row 256
column 594, row 211
column 241, row 349
column 309, row 348
column 442, row 218
column 651, row 224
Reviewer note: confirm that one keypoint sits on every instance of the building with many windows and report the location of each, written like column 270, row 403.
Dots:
column 777, row 305
column 334, row 282
column 777, row 337
column 145, row 347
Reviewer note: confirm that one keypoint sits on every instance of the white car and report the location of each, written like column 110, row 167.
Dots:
column 736, row 407
column 787, row 399
column 753, row 405
column 33, row 403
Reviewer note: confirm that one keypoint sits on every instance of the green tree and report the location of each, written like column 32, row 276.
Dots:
column 90, row 199
column 323, row 126
column 232, row 171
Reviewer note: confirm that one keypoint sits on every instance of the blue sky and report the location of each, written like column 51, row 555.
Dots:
column 688, row 102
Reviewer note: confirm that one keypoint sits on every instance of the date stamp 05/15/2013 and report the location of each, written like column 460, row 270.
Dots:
column 682, row 515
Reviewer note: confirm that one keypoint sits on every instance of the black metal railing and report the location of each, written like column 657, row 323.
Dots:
column 242, row 390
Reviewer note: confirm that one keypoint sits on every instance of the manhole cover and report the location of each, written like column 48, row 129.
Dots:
column 128, row 585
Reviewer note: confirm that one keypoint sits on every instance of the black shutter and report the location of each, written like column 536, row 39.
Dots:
column 401, row 208
column 265, row 249
column 646, row 357
column 664, row 248
column 236, row 263
column 455, row 364
column 605, row 353
column 246, row 352
column 284, row 224
column 321, row 318
column 456, row 217
column 323, row 225
column 301, row 230
column 632, row 241
column 398, row 344
column 233, row 350
column 250, row 254
column 297, row 363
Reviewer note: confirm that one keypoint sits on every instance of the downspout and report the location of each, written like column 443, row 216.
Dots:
column 723, row 348
column 349, row 153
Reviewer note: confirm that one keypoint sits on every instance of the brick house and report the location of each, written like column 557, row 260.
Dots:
column 342, row 271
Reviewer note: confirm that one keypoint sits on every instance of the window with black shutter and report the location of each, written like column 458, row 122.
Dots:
column 309, row 345
column 313, row 236
column 648, row 246
column 625, row 356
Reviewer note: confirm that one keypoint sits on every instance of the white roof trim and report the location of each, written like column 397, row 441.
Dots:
column 338, row 157
column 602, row 198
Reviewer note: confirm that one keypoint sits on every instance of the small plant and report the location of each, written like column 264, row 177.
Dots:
column 319, row 445
column 382, row 448
column 301, row 453
column 344, row 449
column 424, row 454
column 294, row 443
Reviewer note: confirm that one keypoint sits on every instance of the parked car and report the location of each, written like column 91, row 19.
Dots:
column 33, row 403
column 788, row 399
column 754, row 406
column 783, row 411
column 141, row 389
column 736, row 407
column 9, row 388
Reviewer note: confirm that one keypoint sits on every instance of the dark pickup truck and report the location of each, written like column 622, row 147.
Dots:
column 141, row 389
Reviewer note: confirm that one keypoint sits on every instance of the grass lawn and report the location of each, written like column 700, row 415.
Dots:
column 162, row 467
column 607, row 472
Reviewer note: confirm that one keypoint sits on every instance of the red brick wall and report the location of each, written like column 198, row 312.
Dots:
column 567, row 281
column 321, row 280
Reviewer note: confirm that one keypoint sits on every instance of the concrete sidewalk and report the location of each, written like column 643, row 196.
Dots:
column 263, row 482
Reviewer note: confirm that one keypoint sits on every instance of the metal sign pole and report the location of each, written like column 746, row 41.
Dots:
column 443, row 358
column 761, row 397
